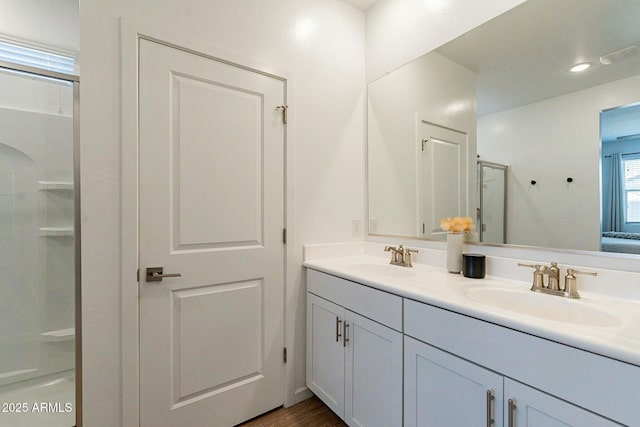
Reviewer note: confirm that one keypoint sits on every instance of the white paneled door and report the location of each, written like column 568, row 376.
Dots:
column 443, row 173
column 211, row 209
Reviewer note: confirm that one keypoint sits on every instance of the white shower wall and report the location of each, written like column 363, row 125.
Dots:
column 36, row 143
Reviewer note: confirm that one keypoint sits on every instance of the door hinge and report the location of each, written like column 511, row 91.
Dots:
column 284, row 236
column 284, row 109
column 138, row 275
column 284, row 355
column 424, row 141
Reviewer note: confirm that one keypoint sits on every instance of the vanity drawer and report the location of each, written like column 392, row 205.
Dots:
column 375, row 304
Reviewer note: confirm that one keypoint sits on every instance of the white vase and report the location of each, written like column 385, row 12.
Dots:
column 454, row 252
column 473, row 237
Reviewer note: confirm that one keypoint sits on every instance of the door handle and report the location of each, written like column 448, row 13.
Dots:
column 490, row 400
column 156, row 274
column 512, row 412
column 345, row 334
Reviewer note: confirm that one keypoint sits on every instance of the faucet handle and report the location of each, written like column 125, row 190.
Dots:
column 397, row 254
column 521, row 264
column 571, row 283
column 407, row 256
column 538, row 274
column 572, row 271
column 539, row 268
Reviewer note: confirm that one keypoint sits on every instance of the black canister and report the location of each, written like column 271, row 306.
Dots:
column 473, row 266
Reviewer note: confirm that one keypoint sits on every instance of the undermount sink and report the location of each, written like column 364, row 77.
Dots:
column 381, row 270
column 548, row 307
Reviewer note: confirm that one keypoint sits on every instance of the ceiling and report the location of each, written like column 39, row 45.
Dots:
column 524, row 55
column 363, row 5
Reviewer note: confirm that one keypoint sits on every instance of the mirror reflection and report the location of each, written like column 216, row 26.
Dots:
column 494, row 125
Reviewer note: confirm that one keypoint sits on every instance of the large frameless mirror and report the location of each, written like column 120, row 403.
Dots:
column 507, row 89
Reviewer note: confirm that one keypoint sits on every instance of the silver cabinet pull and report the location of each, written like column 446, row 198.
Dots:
column 156, row 274
column 345, row 339
column 338, row 334
column 490, row 408
column 512, row 412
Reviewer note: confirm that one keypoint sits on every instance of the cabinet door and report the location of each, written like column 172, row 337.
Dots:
column 533, row 408
column 373, row 373
column 443, row 390
column 325, row 352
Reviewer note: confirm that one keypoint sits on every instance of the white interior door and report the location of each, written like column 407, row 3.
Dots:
column 443, row 176
column 211, row 209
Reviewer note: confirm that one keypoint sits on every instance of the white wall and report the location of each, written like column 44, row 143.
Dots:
column 47, row 22
column 321, row 42
column 549, row 141
column 398, row 31
column 442, row 92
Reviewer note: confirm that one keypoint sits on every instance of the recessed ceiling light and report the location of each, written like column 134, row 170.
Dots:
column 580, row 67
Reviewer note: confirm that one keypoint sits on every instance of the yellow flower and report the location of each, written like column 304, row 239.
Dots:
column 457, row 224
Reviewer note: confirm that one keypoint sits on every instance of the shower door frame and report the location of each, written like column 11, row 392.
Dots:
column 75, row 80
column 505, row 169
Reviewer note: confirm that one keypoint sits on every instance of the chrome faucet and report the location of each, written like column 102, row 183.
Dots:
column 570, row 286
column 400, row 256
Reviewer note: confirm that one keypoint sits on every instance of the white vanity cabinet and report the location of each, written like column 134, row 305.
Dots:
column 425, row 357
column 354, row 350
column 443, row 389
column 325, row 352
column 527, row 407
column 451, row 380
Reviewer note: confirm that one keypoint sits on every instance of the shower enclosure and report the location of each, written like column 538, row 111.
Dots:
column 492, row 197
column 39, row 248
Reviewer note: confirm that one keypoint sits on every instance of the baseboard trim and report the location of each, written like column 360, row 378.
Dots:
column 303, row 393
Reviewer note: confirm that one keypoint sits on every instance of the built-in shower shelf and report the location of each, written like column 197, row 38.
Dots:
column 59, row 335
column 56, row 231
column 55, row 185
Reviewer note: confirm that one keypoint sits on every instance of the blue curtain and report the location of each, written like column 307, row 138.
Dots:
column 613, row 215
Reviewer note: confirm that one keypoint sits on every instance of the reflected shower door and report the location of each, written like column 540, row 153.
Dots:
column 492, row 184
column 37, row 251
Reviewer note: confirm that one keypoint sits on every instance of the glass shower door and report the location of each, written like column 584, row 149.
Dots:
column 492, row 189
column 38, row 251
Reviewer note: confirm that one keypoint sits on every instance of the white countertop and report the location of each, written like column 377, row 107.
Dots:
column 612, row 328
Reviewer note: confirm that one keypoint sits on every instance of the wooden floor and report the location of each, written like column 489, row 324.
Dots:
column 309, row 413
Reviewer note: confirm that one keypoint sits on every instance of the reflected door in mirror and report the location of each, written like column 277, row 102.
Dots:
column 442, row 176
